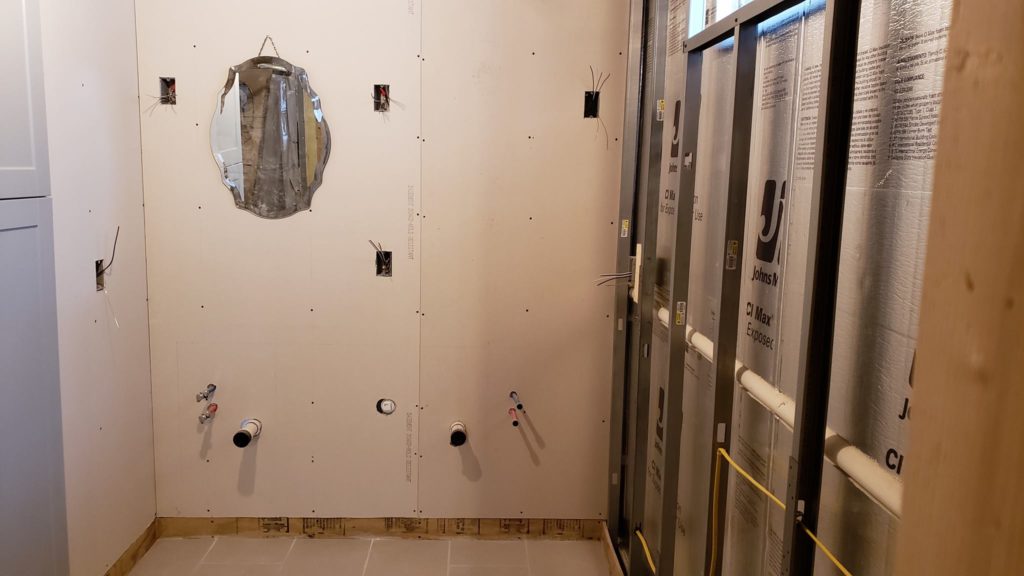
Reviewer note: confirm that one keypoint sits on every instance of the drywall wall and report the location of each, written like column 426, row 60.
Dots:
column 93, row 128
column 520, row 199
column 498, row 200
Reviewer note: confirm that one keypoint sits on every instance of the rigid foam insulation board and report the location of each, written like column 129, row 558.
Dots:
column 648, row 179
column 496, row 197
column 664, row 187
column 707, row 241
column 902, row 46
column 678, row 18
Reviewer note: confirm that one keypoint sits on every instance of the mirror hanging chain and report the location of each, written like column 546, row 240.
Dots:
column 272, row 45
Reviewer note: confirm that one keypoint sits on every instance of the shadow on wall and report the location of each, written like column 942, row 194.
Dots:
column 533, row 432
column 204, row 448
column 470, row 463
column 247, row 470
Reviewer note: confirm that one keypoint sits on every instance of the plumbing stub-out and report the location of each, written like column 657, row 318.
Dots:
column 248, row 431
column 458, row 434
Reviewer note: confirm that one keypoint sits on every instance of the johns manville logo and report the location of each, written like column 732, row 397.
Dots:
column 773, row 205
column 772, row 208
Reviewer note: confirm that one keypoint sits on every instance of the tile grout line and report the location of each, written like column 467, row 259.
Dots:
column 288, row 553
column 448, row 564
column 526, row 549
column 208, row 550
column 369, row 551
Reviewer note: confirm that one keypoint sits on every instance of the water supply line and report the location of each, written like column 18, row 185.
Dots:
column 865, row 472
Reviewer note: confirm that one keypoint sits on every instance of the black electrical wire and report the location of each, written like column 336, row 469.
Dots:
column 112, row 254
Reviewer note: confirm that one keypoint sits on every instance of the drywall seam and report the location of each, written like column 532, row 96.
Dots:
column 145, row 255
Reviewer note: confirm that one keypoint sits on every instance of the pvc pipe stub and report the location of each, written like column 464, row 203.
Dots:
column 247, row 432
column 458, row 435
column 515, row 400
column 242, row 438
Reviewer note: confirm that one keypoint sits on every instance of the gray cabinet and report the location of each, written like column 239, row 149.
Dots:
column 33, row 523
column 24, row 170
column 33, row 532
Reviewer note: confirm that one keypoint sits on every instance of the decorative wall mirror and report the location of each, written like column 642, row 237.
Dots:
column 269, row 137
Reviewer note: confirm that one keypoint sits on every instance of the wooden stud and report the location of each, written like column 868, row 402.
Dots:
column 480, row 528
column 964, row 509
column 135, row 552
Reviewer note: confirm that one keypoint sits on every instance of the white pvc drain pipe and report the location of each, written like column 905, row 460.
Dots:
column 872, row 478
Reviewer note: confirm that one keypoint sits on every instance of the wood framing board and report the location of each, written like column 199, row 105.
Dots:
column 124, row 565
column 614, row 566
column 520, row 210
column 480, row 528
column 964, row 470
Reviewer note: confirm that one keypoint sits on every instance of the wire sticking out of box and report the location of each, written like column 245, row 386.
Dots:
column 612, row 278
column 113, row 253
column 592, row 103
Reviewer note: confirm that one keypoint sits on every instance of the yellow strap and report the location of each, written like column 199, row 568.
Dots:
column 647, row 551
column 827, row 552
column 714, row 512
column 750, row 479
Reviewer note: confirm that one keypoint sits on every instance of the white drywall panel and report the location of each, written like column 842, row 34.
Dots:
column 286, row 317
column 96, row 178
column 519, row 205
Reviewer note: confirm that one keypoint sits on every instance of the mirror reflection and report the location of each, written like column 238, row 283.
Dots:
column 269, row 137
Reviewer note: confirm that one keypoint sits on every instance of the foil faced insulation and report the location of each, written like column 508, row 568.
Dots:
column 898, row 94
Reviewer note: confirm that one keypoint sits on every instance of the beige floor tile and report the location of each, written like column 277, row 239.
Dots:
column 345, row 557
column 233, row 556
column 488, row 571
column 408, row 558
column 172, row 557
column 568, row 558
column 228, row 550
column 237, row 570
column 488, row 552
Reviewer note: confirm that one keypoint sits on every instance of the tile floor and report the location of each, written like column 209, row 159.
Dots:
column 233, row 556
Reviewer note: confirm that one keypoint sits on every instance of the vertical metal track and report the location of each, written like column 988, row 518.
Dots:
column 835, row 116
column 745, row 50
column 627, row 201
column 647, row 235
column 678, row 306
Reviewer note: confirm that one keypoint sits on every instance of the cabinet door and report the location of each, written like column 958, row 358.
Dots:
column 24, row 172
column 33, row 528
